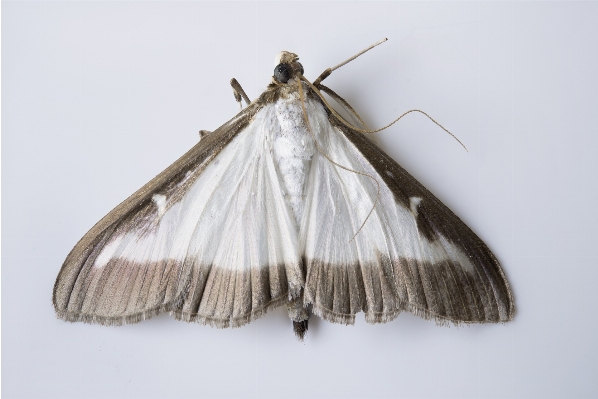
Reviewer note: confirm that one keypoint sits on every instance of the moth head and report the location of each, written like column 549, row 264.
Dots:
column 287, row 66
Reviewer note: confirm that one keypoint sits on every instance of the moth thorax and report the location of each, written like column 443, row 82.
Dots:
column 293, row 150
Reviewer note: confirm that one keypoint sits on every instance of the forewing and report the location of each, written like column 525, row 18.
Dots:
column 412, row 253
column 207, row 240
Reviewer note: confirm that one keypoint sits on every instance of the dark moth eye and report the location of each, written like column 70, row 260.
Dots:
column 283, row 72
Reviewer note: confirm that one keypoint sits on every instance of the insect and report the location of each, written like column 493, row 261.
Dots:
column 285, row 204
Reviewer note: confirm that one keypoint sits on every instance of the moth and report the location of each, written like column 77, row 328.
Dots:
column 287, row 204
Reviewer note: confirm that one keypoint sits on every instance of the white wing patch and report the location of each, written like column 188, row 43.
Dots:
column 110, row 250
column 233, row 215
column 160, row 201
column 413, row 204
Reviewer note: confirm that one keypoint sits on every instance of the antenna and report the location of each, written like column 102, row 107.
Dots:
column 328, row 71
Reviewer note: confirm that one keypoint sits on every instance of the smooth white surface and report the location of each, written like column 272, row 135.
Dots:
column 97, row 98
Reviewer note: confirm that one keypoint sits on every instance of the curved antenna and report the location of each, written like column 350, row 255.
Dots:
column 344, row 122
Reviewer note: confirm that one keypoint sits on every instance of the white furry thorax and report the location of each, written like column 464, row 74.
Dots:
column 293, row 148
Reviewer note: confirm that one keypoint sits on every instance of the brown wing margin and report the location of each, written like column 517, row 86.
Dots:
column 444, row 292
column 201, row 153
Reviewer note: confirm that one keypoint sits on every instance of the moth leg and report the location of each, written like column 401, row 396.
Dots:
column 239, row 92
column 342, row 102
column 203, row 133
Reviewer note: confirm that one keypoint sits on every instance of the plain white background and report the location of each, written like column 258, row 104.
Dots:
column 99, row 97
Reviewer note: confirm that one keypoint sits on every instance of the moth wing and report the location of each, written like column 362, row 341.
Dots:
column 210, row 239
column 412, row 254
